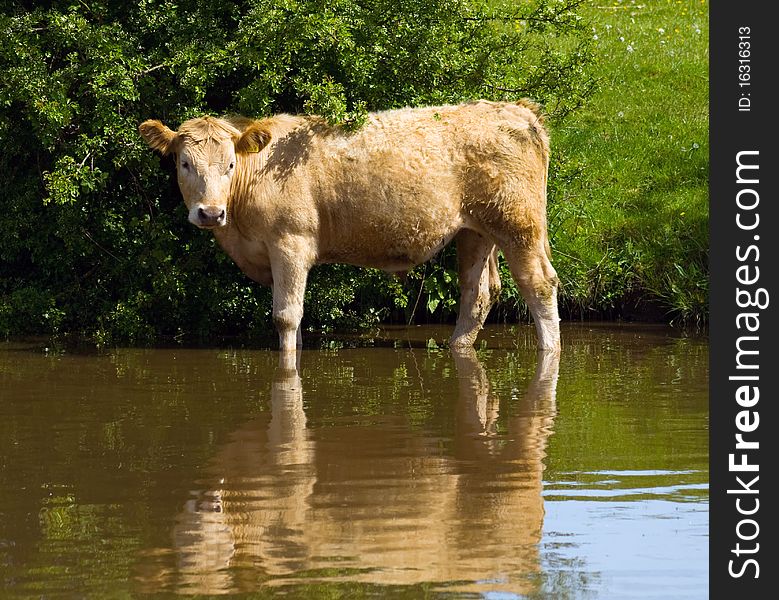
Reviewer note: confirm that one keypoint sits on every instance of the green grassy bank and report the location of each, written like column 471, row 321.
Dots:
column 629, row 204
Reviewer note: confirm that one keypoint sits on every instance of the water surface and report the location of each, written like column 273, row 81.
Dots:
column 383, row 466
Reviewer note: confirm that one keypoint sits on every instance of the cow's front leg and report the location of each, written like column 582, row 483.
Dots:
column 479, row 286
column 290, row 264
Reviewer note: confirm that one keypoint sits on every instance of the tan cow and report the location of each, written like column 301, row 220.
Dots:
column 285, row 193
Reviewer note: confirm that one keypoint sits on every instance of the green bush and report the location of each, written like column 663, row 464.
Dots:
column 95, row 240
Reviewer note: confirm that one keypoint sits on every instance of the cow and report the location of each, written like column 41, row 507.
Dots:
column 285, row 193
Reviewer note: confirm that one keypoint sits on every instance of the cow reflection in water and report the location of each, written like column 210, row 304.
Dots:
column 378, row 502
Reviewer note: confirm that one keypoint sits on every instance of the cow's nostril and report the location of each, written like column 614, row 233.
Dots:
column 211, row 216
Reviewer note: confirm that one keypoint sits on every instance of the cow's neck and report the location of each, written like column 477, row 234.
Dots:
column 251, row 256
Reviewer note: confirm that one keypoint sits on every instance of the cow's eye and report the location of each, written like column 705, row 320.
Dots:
column 185, row 165
column 232, row 165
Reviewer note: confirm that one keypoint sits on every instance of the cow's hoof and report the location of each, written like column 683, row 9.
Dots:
column 554, row 349
column 460, row 343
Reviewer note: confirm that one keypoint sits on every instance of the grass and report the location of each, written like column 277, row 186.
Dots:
column 629, row 187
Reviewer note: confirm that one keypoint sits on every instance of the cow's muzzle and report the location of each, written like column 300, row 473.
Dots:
column 210, row 216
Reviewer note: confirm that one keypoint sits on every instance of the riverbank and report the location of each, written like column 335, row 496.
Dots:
column 629, row 189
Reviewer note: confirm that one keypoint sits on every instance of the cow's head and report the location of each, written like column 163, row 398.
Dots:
column 206, row 151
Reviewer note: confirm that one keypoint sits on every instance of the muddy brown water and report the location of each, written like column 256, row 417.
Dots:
column 384, row 466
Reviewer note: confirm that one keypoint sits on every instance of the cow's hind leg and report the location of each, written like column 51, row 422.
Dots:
column 479, row 285
column 537, row 282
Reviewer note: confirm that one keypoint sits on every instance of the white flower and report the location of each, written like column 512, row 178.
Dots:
column 660, row 30
column 621, row 39
column 695, row 145
column 620, row 114
column 595, row 37
column 630, row 48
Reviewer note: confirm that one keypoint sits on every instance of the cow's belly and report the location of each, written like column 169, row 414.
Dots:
column 401, row 257
column 391, row 213
column 391, row 245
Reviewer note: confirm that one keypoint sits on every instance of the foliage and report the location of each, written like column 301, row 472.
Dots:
column 95, row 240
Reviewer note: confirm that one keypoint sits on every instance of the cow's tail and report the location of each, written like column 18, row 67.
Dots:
column 533, row 107
column 537, row 128
column 540, row 135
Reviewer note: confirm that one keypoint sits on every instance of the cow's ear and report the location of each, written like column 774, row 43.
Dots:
column 254, row 139
column 158, row 136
